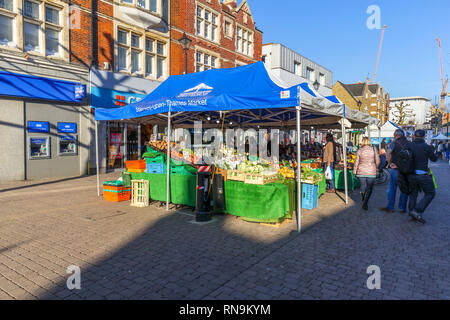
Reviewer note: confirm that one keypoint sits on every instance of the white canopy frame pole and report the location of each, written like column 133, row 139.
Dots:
column 139, row 141
column 168, row 160
column 96, row 158
column 344, row 151
column 299, row 164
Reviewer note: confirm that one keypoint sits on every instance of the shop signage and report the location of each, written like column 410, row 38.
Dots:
column 67, row 138
column 107, row 98
column 115, row 140
column 38, row 126
column 38, row 141
column 80, row 91
column 67, row 127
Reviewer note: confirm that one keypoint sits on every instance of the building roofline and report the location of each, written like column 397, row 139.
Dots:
column 274, row 43
column 410, row 98
column 348, row 91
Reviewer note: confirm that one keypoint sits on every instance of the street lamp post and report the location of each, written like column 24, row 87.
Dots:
column 185, row 43
column 316, row 85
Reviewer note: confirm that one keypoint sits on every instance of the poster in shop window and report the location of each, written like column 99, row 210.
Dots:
column 114, row 146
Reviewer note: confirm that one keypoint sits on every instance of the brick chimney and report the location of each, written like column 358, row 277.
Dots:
column 231, row 3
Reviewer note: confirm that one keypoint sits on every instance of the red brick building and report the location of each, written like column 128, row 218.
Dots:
column 223, row 35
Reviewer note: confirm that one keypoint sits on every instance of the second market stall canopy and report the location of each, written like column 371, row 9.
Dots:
column 248, row 96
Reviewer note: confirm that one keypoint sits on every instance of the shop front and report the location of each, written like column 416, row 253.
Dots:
column 123, row 140
column 43, row 127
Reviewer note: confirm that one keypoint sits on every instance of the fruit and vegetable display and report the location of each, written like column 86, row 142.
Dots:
column 287, row 170
column 308, row 175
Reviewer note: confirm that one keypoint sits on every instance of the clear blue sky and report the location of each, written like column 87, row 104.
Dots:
column 334, row 34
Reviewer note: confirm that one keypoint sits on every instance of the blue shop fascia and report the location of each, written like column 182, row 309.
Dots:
column 40, row 127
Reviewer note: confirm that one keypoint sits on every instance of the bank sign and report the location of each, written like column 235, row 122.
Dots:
column 107, row 98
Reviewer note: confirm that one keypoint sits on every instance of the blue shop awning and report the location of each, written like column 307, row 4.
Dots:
column 33, row 87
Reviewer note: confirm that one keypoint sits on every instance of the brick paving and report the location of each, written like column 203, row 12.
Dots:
column 149, row 253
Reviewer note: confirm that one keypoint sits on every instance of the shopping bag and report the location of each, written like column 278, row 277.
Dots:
column 328, row 174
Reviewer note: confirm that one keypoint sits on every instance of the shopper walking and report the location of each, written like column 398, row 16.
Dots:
column 421, row 179
column 392, row 157
column 328, row 159
column 366, row 165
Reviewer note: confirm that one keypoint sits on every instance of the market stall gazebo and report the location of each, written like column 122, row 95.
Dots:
column 247, row 94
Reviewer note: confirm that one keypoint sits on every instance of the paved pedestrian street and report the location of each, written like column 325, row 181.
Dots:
column 125, row 252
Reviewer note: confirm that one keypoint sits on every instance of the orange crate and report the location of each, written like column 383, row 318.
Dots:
column 135, row 164
column 136, row 170
column 116, row 193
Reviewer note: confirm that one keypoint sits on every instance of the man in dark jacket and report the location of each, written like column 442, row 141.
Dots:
column 392, row 157
column 421, row 179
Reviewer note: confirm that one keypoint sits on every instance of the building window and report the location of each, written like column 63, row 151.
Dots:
column 310, row 74
column 322, row 79
column 150, row 5
column 297, row 68
column 40, row 30
column 244, row 41
column 52, row 31
column 204, row 61
column 34, row 25
column 7, row 23
column 135, row 53
column 207, row 24
column 122, row 37
column 228, row 29
column 153, row 56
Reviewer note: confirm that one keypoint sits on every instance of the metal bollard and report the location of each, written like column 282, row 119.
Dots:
column 201, row 213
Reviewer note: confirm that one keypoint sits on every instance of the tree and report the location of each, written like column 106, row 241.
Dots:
column 436, row 118
column 403, row 115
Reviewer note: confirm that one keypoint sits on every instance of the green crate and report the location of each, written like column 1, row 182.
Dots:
column 161, row 158
column 113, row 183
column 180, row 170
column 152, row 154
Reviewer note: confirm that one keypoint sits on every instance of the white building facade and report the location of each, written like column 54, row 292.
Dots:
column 418, row 111
column 293, row 68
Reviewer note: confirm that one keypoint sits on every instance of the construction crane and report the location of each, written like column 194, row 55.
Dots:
column 378, row 56
column 444, row 85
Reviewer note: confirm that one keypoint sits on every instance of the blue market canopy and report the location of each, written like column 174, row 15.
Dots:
column 247, row 95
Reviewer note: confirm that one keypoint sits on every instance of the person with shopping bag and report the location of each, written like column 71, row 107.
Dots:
column 328, row 159
column 421, row 179
column 366, row 165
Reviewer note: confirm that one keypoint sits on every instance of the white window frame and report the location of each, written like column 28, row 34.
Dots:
column 205, row 24
column 297, row 68
column 12, row 14
column 230, row 32
column 312, row 74
column 245, row 40
column 322, row 79
column 18, row 28
column 202, row 65
column 146, row 8
column 143, row 52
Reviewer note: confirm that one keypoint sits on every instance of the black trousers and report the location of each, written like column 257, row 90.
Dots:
column 419, row 183
column 367, row 187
